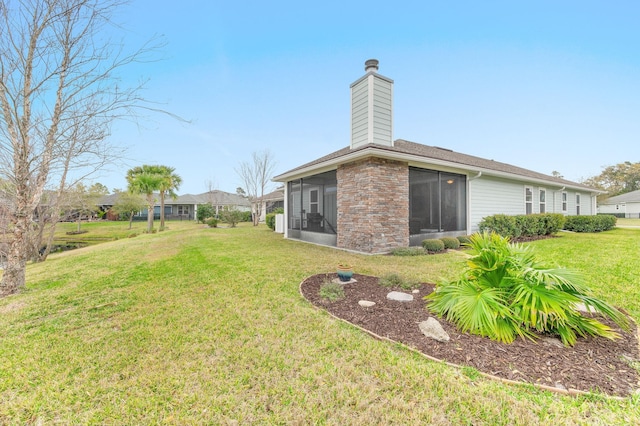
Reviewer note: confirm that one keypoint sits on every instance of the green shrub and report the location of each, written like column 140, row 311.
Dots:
column 270, row 220
column 408, row 251
column 464, row 239
column 212, row 222
column 500, row 224
column 204, row 211
column 450, row 243
column 433, row 245
column 332, row 291
column 393, row 280
column 231, row 216
column 597, row 223
column 245, row 217
column 506, row 292
column 530, row 225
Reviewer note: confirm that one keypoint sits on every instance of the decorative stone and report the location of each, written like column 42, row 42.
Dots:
column 416, row 291
column 553, row 342
column 400, row 296
column 366, row 303
column 580, row 307
column 433, row 329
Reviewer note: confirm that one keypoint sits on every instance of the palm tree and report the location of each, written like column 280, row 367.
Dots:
column 146, row 180
column 169, row 184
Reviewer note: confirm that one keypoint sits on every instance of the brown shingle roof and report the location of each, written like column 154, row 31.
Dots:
column 426, row 153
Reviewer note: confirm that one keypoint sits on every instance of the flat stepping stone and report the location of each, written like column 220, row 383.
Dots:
column 400, row 296
column 366, row 303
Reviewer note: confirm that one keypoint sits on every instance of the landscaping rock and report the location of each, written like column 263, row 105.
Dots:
column 580, row 307
column 432, row 329
column 553, row 341
column 400, row 296
column 366, row 303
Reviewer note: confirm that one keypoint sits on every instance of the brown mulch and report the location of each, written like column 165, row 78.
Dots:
column 592, row 364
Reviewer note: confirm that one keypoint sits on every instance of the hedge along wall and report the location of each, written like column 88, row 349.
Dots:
column 531, row 225
column 597, row 223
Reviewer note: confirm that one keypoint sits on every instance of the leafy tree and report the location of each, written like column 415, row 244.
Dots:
column 58, row 98
column 146, row 180
column 168, row 185
column 506, row 293
column 231, row 215
column 618, row 179
column 256, row 175
column 204, row 212
column 128, row 204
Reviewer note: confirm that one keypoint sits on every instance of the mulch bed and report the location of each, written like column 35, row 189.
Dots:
column 592, row 364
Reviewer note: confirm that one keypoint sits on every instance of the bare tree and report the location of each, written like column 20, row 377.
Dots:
column 58, row 98
column 255, row 176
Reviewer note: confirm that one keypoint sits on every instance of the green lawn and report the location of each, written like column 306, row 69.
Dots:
column 207, row 326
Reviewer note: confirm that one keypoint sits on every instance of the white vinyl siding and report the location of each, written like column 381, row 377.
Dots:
column 371, row 111
column 489, row 196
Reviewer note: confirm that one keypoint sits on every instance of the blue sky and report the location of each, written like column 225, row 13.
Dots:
column 542, row 85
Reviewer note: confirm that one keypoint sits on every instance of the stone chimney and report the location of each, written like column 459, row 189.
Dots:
column 372, row 108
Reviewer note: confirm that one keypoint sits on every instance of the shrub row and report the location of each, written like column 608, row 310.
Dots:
column 531, row 225
column 590, row 223
column 437, row 245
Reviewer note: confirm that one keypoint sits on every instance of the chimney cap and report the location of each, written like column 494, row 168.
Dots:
column 371, row 65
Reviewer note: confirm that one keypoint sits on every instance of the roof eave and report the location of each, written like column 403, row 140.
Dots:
column 371, row 151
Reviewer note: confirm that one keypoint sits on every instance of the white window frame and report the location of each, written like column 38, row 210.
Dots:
column 564, row 198
column 577, row 204
column 528, row 203
column 542, row 204
column 314, row 206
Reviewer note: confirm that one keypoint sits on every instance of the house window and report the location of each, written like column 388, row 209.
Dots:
column 564, row 202
column 528, row 200
column 542, row 195
column 577, row 204
column 437, row 201
column 183, row 210
column 313, row 201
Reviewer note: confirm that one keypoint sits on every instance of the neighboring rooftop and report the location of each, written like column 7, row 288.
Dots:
column 629, row 197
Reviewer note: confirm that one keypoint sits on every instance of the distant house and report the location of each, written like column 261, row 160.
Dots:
column 272, row 201
column 185, row 207
column 625, row 205
column 379, row 193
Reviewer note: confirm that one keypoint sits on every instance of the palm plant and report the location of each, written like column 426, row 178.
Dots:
column 506, row 292
column 145, row 180
column 169, row 183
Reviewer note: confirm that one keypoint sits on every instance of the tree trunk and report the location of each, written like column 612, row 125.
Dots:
column 150, row 213
column 131, row 219
column 13, row 277
column 161, row 210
